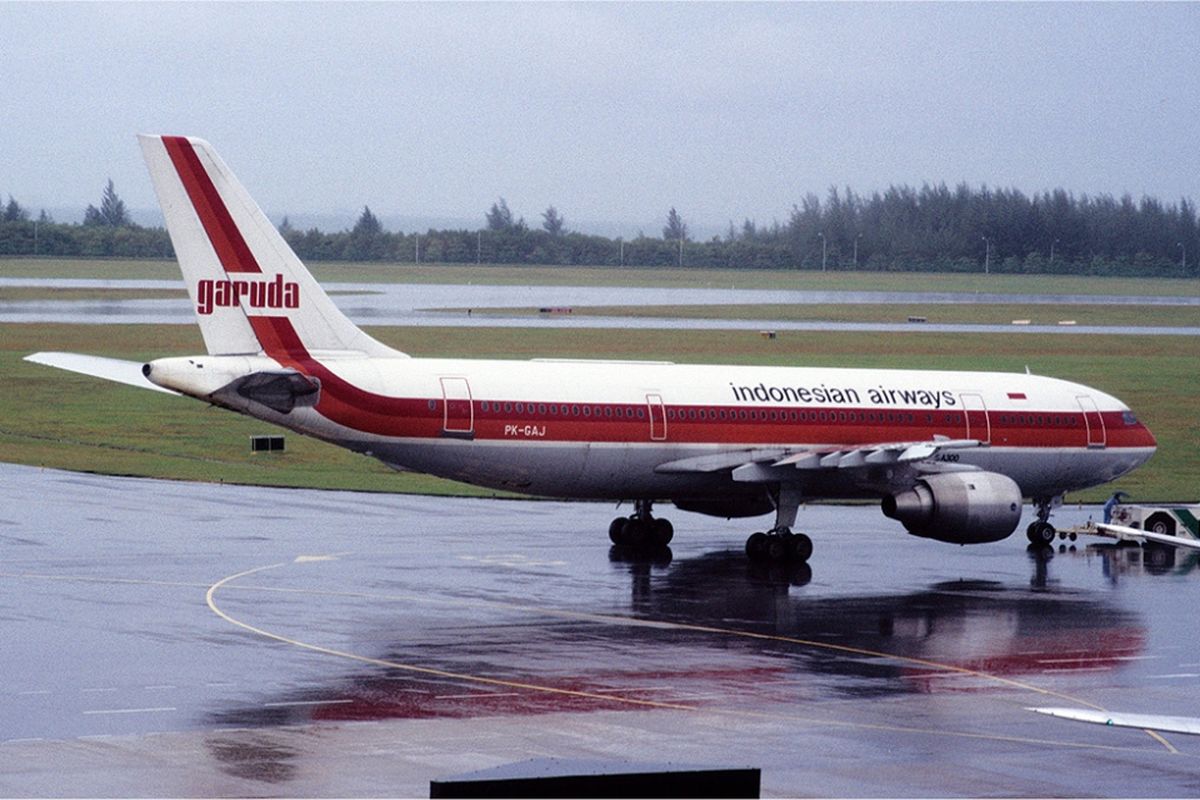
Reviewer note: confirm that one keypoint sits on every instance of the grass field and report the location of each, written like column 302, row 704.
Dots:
column 58, row 419
column 628, row 276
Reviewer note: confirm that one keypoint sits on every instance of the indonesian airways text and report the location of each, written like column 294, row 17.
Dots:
column 840, row 395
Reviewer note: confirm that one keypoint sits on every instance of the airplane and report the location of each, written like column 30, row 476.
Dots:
column 950, row 455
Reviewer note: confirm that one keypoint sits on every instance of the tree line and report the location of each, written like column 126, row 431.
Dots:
column 106, row 231
column 933, row 228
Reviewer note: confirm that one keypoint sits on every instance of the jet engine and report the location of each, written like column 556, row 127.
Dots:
column 959, row 507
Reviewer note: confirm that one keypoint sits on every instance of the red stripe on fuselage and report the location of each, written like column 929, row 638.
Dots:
column 232, row 250
column 345, row 404
column 341, row 401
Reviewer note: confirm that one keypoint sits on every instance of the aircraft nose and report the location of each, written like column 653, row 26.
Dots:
column 1136, row 434
column 1147, row 437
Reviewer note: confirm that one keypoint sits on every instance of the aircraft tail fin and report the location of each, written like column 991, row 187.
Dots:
column 250, row 291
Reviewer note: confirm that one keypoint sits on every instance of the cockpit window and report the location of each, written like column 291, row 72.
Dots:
column 1129, row 419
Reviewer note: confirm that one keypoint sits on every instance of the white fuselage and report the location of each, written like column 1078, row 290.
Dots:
column 595, row 429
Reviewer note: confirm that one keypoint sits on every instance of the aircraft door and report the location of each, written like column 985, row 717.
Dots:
column 979, row 423
column 458, row 418
column 658, row 417
column 1097, row 436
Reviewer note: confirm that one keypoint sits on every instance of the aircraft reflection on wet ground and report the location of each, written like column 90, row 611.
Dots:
column 722, row 628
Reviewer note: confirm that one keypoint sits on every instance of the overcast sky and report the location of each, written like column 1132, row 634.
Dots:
column 613, row 113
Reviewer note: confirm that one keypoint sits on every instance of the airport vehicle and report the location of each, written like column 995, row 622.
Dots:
column 951, row 455
column 1167, row 520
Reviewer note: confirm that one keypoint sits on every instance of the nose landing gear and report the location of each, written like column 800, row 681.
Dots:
column 1041, row 532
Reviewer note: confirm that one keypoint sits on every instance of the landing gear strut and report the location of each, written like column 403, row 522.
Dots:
column 779, row 543
column 641, row 529
column 1041, row 532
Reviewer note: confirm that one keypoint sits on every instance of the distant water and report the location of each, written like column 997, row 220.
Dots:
column 418, row 304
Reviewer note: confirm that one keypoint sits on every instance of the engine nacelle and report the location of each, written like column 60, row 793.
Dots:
column 959, row 507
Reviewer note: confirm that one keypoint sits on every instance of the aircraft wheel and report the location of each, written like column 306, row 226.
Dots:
column 635, row 532
column 801, row 547
column 756, row 546
column 1040, row 533
column 662, row 532
column 616, row 530
column 776, row 549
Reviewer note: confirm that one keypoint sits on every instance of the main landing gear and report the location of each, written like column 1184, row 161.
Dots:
column 779, row 543
column 641, row 530
column 1041, row 532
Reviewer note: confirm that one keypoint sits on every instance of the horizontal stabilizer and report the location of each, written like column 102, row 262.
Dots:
column 110, row 369
column 1154, row 722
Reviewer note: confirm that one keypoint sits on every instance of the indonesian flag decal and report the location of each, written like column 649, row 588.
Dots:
column 1017, row 396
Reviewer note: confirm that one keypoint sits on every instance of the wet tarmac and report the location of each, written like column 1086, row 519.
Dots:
column 426, row 304
column 170, row 639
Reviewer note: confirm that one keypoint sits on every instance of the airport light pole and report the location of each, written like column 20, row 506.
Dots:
column 417, row 248
column 478, row 247
column 822, row 235
column 1052, row 251
column 987, row 255
column 856, row 238
column 1183, row 259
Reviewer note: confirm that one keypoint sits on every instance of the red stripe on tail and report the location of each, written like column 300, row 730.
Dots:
column 232, row 250
column 280, row 341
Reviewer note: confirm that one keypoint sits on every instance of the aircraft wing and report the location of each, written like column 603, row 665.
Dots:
column 768, row 464
column 110, row 369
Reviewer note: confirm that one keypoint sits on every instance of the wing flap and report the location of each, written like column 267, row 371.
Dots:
column 767, row 464
column 723, row 460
